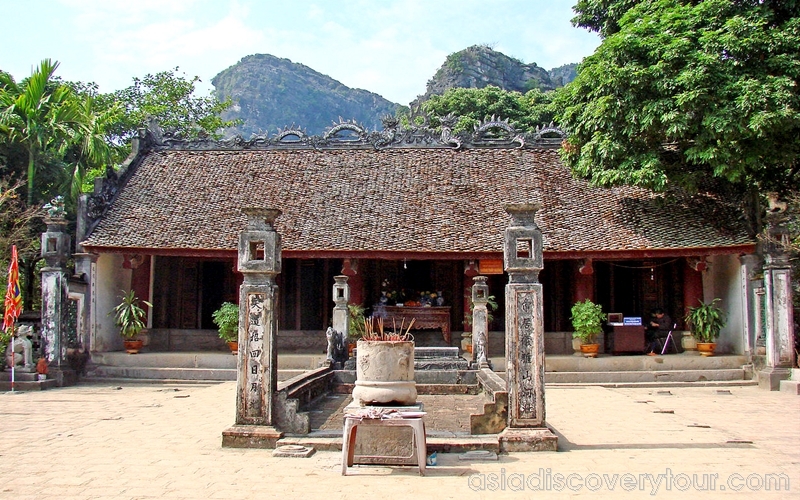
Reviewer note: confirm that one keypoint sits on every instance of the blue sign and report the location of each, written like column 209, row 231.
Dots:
column 632, row 321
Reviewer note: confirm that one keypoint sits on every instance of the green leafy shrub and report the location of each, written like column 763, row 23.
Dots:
column 129, row 315
column 227, row 320
column 706, row 320
column 587, row 320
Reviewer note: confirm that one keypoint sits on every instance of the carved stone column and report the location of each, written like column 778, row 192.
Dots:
column 779, row 322
column 257, row 367
column 55, row 294
column 522, row 248
column 480, row 322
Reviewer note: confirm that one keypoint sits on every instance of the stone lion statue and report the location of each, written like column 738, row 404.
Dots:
column 22, row 355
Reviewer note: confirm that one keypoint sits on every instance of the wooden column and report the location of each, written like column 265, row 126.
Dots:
column 355, row 281
column 584, row 281
column 692, row 284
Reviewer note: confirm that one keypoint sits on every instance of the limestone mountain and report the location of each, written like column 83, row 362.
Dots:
column 480, row 66
column 270, row 93
column 562, row 75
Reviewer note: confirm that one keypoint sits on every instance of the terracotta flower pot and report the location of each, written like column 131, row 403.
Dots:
column 706, row 348
column 133, row 346
column 590, row 350
column 234, row 347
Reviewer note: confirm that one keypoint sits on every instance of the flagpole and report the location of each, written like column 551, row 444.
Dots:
column 13, row 358
column 13, row 306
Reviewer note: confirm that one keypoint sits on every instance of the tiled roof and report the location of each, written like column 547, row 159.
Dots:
column 398, row 200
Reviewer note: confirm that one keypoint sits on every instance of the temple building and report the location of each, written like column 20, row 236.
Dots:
column 401, row 212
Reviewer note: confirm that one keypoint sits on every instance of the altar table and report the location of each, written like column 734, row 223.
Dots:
column 424, row 318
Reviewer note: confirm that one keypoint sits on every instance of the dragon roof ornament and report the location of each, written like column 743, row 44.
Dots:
column 492, row 132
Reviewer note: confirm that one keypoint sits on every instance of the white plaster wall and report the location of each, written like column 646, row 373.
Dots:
column 723, row 279
column 112, row 279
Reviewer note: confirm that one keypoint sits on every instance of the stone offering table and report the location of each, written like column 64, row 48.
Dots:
column 413, row 420
column 424, row 318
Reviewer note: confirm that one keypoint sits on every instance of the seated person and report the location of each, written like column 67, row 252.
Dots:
column 658, row 328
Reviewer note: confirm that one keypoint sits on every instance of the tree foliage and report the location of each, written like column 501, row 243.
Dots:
column 686, row 91
column 41, row 115
column 168, row 97
column 472, row 105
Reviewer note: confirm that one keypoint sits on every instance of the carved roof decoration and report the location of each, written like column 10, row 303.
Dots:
column 491, row 132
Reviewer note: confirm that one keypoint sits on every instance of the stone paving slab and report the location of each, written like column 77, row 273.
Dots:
column 139, row 441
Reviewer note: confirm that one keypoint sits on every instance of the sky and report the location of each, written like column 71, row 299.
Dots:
column 390, row 47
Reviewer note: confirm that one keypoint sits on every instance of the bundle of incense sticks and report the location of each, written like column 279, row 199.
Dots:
column 374, row 330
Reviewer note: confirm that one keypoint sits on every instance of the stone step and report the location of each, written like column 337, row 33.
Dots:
column 34, row 385
column 209, row 366
column 660, row 385
column 160, row 373
column 790, row 386
column 19, row 376
column 596, row 377
column 667, row 362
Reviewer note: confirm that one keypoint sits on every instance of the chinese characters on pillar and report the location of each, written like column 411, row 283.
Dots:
column 254, row 351
column 525, row 367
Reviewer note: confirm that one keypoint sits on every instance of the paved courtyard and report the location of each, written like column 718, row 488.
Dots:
column 136, row 441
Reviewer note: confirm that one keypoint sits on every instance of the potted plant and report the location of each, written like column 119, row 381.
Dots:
column 587, row 321
column 41, row 370
column 356, row 328
column 227, row 320
column 130, row 318
column 705, row 322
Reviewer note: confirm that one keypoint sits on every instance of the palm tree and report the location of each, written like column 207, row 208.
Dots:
column 90, row 144
column 40, row 114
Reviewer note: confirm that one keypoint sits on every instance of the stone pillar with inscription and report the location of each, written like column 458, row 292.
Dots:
column 257, row 367
column 779, row 321
column 480, row 322
column 55, row 290
column 522, row 249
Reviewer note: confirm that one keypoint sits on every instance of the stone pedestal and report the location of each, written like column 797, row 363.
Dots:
column 688, row 343
column 526, row 430
column 251, row 436
column 526, row 440
column 770, row 377
column 257, row 362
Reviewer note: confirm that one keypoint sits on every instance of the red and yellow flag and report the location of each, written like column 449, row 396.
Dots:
column 13, row 302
